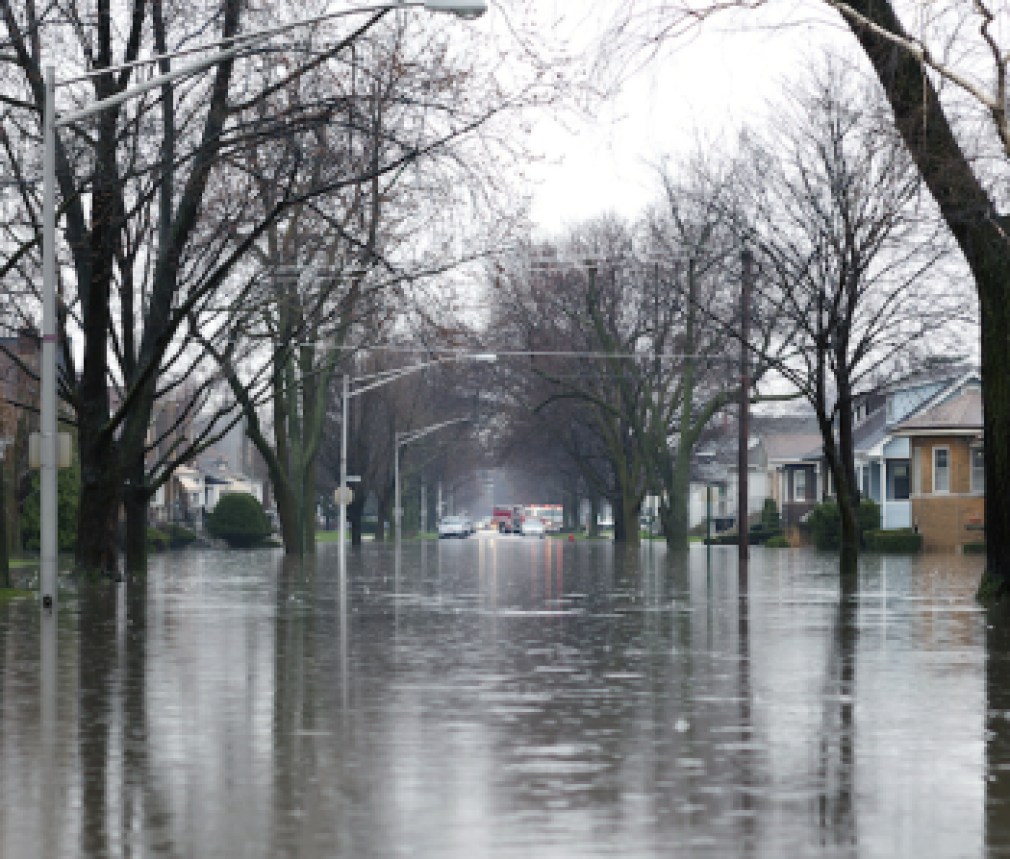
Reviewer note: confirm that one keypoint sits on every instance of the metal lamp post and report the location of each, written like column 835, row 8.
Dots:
column 48, row 442
column 401, row 439
column 376, row 380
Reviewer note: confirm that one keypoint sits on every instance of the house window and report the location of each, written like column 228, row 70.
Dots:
column 899, row 481
column 800, row 485
column 977, row 470
column 941, row 469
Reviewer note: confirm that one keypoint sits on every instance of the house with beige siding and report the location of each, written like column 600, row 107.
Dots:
column 947, row 468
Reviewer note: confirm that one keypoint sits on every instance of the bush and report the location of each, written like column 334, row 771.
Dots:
column 826, row 524
column 68, row 487
column 240, row 520
column 157, row 540
column 904, row 540
column 180, row 536
column 777, row 542
column 770, row 519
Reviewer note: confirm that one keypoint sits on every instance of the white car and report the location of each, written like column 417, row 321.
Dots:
column 533, row 527
column 453, row 526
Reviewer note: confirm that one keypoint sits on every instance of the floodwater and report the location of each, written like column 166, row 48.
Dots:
column 508, row 697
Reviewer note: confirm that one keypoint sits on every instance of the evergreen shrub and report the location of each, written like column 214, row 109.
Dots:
column 826, row 523
column 240, row 520
column 68, row 488
column 157, row 540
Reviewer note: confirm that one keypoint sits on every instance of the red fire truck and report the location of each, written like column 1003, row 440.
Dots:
column 507, row 519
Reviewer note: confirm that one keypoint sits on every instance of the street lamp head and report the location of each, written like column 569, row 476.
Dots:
column 461, row 8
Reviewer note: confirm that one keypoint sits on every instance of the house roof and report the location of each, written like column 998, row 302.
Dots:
column 961, row 413
column 791, row 447
column 870, row 431
column 188, row 483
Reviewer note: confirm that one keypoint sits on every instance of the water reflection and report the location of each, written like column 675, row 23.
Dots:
column 507, row 697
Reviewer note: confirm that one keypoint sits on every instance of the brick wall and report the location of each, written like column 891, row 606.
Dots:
column 946, row 520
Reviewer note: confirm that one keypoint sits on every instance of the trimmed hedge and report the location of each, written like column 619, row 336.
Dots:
column 777, row 542
column 240, row 520
column 903, row 540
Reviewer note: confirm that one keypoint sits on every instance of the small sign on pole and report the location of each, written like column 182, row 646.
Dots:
column 64, row 453
column 343, row 495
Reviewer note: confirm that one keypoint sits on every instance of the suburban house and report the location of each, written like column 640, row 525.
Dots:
column 791, row 458
column 193, row 490
column 918, row 454
column 883, row 455
column 775, row 464
column 947, row 496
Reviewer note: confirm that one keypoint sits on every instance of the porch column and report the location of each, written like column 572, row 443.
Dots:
column 883, row 491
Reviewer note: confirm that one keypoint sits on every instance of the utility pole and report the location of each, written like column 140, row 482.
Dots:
column 743, row 534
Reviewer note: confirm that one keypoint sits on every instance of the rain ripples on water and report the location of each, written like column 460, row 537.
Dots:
column 506, row 697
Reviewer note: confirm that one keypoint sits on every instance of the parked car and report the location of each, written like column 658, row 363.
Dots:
column 453, row 526
column 533, row 527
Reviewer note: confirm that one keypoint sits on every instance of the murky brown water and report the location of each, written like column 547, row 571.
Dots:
column 508, row 698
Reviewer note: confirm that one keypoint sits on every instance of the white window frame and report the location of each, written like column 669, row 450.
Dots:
column 977, row 487
column 946, row 490
column 799, row 472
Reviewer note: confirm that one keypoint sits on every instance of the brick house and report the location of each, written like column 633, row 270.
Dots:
column 947, row 470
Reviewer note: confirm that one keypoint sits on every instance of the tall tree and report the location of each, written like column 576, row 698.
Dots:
column 849, row 250
column 945, row 80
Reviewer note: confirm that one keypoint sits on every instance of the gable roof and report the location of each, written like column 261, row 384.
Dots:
column 958, row 414
column 791, row 447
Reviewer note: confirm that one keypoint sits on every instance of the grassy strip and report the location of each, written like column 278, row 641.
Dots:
column 8, row 594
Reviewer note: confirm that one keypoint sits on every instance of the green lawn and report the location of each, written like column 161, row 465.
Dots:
column 8, row 594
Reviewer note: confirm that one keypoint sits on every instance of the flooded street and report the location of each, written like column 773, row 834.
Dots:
column 509, row 697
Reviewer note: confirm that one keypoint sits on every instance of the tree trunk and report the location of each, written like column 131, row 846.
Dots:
column 845, row 471
column 995, row 302
column 673, row 515
column 98, row 510
column 626, row 527
column 308, row 505
column 136, row 500
column 355, row 515
column 5, row 565
column 287, row 516
column 673, row 510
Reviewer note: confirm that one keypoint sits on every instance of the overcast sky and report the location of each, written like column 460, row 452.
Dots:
column 704, row 90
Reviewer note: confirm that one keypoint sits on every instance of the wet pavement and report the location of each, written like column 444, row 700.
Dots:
column 509, row 697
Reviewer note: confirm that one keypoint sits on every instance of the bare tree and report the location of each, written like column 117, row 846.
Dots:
column 850, row 251
column 943, row 70
column 160, row 197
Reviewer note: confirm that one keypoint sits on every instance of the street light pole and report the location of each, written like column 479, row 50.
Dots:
column 400, row 439
column 374, row 381
column 342, row 519
column 48, row 546
column 236, row 45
